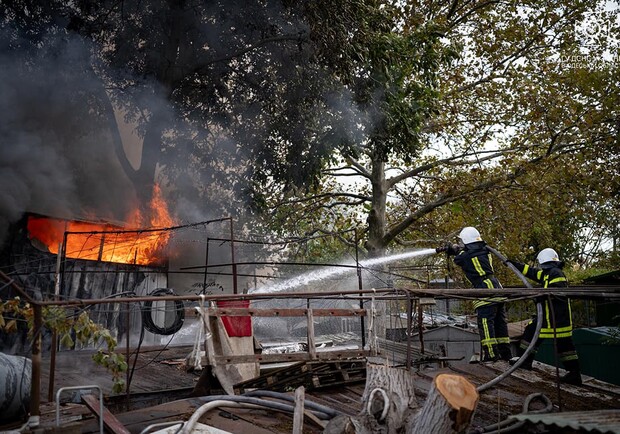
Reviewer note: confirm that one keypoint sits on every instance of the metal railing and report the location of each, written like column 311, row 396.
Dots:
column 62, row 389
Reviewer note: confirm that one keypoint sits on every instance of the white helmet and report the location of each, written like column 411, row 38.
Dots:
column 470, row 235
column 547, row 255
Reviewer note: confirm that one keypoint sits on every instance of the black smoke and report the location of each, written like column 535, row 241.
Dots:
column 56, row 135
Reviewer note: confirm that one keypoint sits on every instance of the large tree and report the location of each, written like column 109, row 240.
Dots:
column 512, row 119
column 431, row 106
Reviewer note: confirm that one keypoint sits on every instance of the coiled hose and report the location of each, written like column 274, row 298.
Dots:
column 147, row 315
column 508, row 425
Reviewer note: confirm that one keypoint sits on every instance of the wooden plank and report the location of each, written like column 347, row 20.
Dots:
column 290, row 357
column 286, row 377
column 344, row 372
column 311, row 342
column 284, row 312
column 312, row 375
column 316, row 382
column 298, row 414
column 109, row 420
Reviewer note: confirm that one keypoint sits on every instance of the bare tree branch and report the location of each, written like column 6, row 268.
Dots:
column 450, row 161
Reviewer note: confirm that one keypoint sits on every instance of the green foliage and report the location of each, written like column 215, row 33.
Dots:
column 447, row 114
column 454, row 85
column 82, row 328
column 115, row 364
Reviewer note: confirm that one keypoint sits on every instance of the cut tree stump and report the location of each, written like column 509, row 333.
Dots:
column 389, row 394
column 390, row 406
column 449, row 407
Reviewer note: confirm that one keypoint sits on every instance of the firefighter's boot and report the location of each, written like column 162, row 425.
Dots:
column 504, row 351
column 489, row 355
column 574, row 373
column 527, row 363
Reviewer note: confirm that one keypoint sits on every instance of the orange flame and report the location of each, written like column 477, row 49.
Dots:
column 106, row 242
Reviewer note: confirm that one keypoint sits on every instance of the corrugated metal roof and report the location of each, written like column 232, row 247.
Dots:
column 601, row 421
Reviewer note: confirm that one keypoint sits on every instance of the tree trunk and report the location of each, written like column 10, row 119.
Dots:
column 376, row 216
column 449, row 407
column 166, row 72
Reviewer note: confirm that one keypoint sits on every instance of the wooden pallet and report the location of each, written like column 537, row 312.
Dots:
column 312, row 375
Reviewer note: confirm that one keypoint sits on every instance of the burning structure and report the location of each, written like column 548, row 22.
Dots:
column 59, row 259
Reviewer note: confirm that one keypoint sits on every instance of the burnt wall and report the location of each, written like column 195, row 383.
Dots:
column 32, row 267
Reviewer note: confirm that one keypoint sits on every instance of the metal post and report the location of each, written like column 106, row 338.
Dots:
column 101, row 248
column 420, row 326
column 60, row 282
column 409, row 328
column 204, row 282
column 447, row 280
column 232, row 254
column 63, row 257
column 54, row 344
column 35, row 387
column 360, row 287
column 128, row 377
column 62, row 389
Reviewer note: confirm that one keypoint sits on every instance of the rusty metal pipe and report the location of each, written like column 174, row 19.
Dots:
column 130, row 231
column 440, row 293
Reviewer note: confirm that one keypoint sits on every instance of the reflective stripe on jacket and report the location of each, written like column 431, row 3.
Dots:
column 477, row 264
column 552, row 277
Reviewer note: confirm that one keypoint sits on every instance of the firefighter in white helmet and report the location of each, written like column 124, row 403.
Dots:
column 550, row 275
column 476, row 261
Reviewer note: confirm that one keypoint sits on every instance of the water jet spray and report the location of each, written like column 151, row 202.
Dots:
column 318, row 275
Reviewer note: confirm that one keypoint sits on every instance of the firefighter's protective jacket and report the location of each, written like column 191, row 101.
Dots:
column 550, row 275
column 477, row 264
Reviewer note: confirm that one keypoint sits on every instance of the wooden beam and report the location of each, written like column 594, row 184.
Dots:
column 298, row 414
column 312, row 375
column 291, row 357
column 109, row 420
column 311, row 340
column 284, row 312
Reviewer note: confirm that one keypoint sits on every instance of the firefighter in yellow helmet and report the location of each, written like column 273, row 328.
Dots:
column 476, row 261
column 550, row 275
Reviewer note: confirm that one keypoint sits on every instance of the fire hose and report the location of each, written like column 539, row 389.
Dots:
column 147, row 315
column 240, row 401
column 539, row 321
column 510, row 425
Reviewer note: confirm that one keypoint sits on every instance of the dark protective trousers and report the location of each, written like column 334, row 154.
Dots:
column 567, row 353
column 493, row 329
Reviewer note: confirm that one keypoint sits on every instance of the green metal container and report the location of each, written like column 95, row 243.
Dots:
column 598, row 349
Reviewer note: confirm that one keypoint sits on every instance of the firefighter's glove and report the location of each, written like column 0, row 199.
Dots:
column 450, row 249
